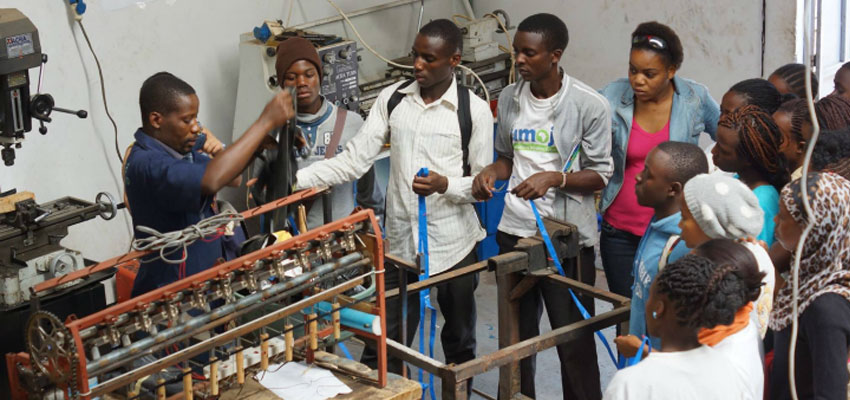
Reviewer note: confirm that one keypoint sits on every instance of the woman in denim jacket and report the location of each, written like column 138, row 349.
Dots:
column 652, row 106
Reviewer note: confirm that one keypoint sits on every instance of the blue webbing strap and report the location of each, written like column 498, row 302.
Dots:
column 425, row 295
column 629, row 361
column 557, row 262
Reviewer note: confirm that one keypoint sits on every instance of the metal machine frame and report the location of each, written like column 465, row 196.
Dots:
column 516, row 273
column 72, row 349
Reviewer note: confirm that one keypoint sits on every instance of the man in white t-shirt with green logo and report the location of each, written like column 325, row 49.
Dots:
column 554, row 143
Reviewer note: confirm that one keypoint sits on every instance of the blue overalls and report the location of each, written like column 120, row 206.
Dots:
column 163, row 191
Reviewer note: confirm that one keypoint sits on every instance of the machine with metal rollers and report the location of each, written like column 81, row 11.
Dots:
column 214, row 320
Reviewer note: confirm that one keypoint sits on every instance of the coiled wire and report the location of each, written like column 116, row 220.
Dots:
column 171, row 242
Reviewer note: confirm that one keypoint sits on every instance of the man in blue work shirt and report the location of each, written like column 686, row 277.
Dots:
column 170, row 183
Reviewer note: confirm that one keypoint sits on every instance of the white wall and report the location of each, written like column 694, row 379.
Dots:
column 195, row 39
column 721, row 38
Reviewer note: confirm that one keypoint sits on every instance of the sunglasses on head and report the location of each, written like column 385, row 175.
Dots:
column 654, row 42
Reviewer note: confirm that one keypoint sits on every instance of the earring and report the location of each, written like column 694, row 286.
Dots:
column 654, row 315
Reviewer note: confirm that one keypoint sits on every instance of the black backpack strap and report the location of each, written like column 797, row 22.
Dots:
column 464, row 118
column 396, row 98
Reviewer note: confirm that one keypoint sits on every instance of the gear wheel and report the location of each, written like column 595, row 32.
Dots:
column 52, row 349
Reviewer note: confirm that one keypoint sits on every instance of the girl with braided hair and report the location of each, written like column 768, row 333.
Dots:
column 791, row 78
column 740, row 341
column 789, row 119
column 689, row 294
column 758, row 92
column 833, row 113
column 832, row 153
column 748, row 143
column 824, row 290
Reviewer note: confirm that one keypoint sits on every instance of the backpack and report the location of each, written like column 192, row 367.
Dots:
column 464, row 117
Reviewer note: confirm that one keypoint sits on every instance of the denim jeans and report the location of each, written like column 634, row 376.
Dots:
column 618, row 250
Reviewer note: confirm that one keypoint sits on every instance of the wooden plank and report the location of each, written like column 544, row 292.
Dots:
column 7, row 204
column 401, row 263
column 584, row 288
column 509, row 378
column 512, row 354
column 416, row 287
column 411, row 356
column 397, row 388
column 508, row 263
column 523, row 287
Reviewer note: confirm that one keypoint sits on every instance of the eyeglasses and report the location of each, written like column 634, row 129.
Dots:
column 654, row 42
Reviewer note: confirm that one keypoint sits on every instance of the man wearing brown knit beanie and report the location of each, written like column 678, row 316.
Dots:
column 325, row 129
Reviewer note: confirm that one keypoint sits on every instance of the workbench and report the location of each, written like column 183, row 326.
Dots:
column 397, row 388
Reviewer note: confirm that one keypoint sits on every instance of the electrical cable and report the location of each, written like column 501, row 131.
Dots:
column 102, row 87
column 810, row 146
column 395, row 64
column 171, row 242
column 421, row 11
column 365, row 44
column 289, row 14
column 763, row 33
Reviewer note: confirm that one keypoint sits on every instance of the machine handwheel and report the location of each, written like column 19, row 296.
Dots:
column 108, row 208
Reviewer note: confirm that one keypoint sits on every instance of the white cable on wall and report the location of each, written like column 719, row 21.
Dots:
column 395, row 64
column 810, row 146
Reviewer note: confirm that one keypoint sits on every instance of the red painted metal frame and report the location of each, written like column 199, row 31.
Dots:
column 163, row 293
column 166, row 291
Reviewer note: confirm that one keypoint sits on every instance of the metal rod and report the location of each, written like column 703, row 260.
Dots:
column 537, row 344
column 418, row 286
column 200, row 347
column 194, row 324
column 327, row 207
column 586, row 289
column 356, row 13
column 132, row 256
column 421, row 11
column 213, row 324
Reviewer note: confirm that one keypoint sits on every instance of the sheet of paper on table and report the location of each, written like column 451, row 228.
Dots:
column 296, row 381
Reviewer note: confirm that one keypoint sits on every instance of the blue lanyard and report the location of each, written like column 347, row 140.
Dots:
column 629, row 361
column 425, row 295
column 557, row 262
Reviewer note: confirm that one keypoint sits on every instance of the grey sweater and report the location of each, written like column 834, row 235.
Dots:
column 318, row 130
column 584, row 116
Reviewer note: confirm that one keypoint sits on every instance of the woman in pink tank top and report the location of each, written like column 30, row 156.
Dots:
column 652, row 106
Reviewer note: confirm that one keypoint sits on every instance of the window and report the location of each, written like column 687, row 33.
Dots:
column 833, row 42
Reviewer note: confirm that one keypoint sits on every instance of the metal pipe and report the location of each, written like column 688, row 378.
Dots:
column 363, row 11
column 213, row 324
column 327, row 207
column 87, row 333
column 193, row 324
column 198, row 348
column 468, row 8
column 421, row 11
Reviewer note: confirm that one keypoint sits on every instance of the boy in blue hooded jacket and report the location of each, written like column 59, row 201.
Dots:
column 660, row 185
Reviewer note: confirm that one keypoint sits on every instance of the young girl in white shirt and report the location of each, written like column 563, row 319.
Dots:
column 687, row 295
